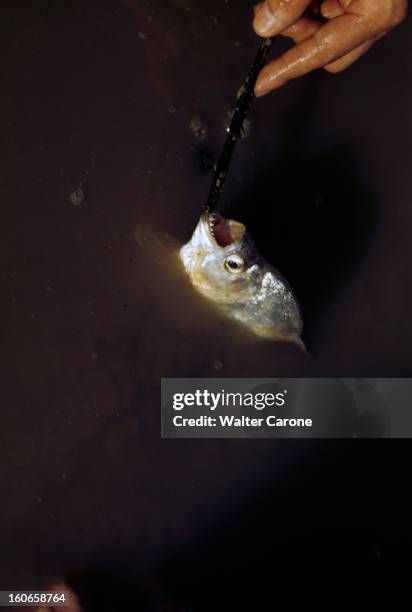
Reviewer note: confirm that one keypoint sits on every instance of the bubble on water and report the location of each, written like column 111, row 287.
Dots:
column 77, row 196
column 198, row 128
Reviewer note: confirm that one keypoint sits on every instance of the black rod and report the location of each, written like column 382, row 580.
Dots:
column 244, row 98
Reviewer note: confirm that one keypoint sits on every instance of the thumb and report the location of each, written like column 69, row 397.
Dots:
column 274, row 16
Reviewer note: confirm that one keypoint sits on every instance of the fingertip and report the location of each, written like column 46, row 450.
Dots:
column 264, row 21
column 257, row 7
column 263, row 86
column 259, row 92
column 330, row 9
column 273, row 76
column 259, row 87
column 263, row 93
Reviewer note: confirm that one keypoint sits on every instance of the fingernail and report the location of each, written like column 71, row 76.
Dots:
column 261, row 91
column 261, row 86
column 257, row 7
column 264, row 20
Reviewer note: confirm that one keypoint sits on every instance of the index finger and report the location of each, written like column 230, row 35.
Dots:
column 331, row 41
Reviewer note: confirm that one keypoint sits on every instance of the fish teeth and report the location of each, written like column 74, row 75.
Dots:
column 212, row 221
column 212, row 217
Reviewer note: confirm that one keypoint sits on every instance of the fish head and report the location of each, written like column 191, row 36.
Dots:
column 219, row 258
column 225, row 266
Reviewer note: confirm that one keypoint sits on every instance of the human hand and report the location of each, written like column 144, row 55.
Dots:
column 330, row 34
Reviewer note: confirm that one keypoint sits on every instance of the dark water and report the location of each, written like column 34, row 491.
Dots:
column 100, row 96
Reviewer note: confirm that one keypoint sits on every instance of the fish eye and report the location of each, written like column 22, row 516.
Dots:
column 234, row 264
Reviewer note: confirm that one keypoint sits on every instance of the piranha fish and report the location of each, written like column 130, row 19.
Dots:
column 224, row 265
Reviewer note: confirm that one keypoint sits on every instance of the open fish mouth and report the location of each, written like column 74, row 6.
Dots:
column 224, row 231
